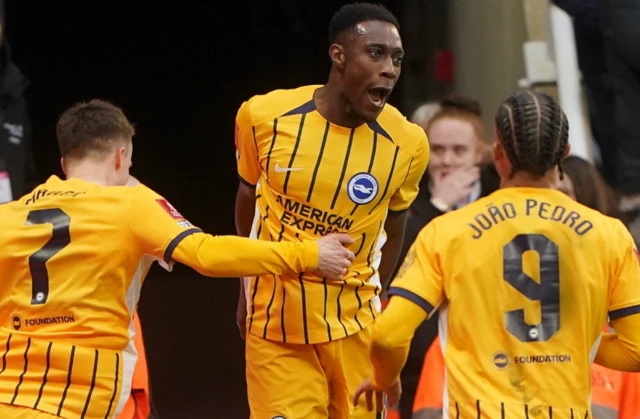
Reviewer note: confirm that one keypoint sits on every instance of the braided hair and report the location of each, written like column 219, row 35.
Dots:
column 534, row 132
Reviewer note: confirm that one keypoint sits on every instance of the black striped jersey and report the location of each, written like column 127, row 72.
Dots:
column 313, row 178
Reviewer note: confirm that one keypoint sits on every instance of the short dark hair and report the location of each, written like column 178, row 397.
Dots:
column 91, row 128
column 350, row 15
column 534, row 132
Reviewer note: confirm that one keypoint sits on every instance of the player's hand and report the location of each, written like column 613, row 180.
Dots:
column 392, row 394
column 454, row 187
column 334, row 257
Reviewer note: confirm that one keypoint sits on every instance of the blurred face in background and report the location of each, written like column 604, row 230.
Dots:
column 454, row 145
column 566, row 185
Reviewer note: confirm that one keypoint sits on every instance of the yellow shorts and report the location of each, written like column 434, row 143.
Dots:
column 19, row 412
column 317, row 381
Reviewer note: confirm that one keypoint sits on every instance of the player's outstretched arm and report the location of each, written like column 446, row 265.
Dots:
column 158, row 229
column 417, row 290
column 390, row 344
column 229, row 256
column 621, row 350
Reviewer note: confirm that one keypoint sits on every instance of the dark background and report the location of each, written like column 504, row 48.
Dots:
column 179, row 70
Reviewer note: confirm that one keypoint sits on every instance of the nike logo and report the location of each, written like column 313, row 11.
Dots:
column 279, row 169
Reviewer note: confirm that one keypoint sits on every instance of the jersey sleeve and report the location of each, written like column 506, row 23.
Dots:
column 391, row 339
column 246, row 147
column 404, row 196
column 157, row 227
column 161, row 231
column 420, row 277
column 624, row 292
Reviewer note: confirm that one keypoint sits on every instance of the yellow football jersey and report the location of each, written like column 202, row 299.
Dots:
column 524, row 280
column 73, row 258
column 314, row 178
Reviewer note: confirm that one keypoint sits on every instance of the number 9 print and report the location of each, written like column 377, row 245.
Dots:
column 547, row 292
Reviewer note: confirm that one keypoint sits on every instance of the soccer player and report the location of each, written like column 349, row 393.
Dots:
column 524, row 280
column 614, row 394
column 315, row 160
column 71, row 272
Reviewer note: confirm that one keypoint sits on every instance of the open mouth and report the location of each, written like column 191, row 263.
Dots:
column 379, row 95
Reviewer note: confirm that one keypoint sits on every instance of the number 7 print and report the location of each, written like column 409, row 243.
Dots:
column 60, row 238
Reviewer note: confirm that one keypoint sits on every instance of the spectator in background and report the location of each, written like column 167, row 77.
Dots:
column 597, row 90
column 423, row 114
column 455, row 177
column 621, row 35
column 583, row 183
column 17, row 167
column 607, row 38
column 614, row 394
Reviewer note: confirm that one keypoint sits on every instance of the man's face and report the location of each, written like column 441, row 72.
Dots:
column 373, row 57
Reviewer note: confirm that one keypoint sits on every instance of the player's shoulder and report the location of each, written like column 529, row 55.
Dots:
column 8, row 210
column 559, row 207
column 55, row 191
column 143, row 197
column 402, row 131
column 602, row 223
column 140, row 190
column 277, row 103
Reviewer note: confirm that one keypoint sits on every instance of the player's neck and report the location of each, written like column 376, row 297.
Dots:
column 528, row 180
column 334, row 107
column 91, row 172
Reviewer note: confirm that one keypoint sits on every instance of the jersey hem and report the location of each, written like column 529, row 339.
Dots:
column 246, row 183
column 301, row 340
column 399, row 211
